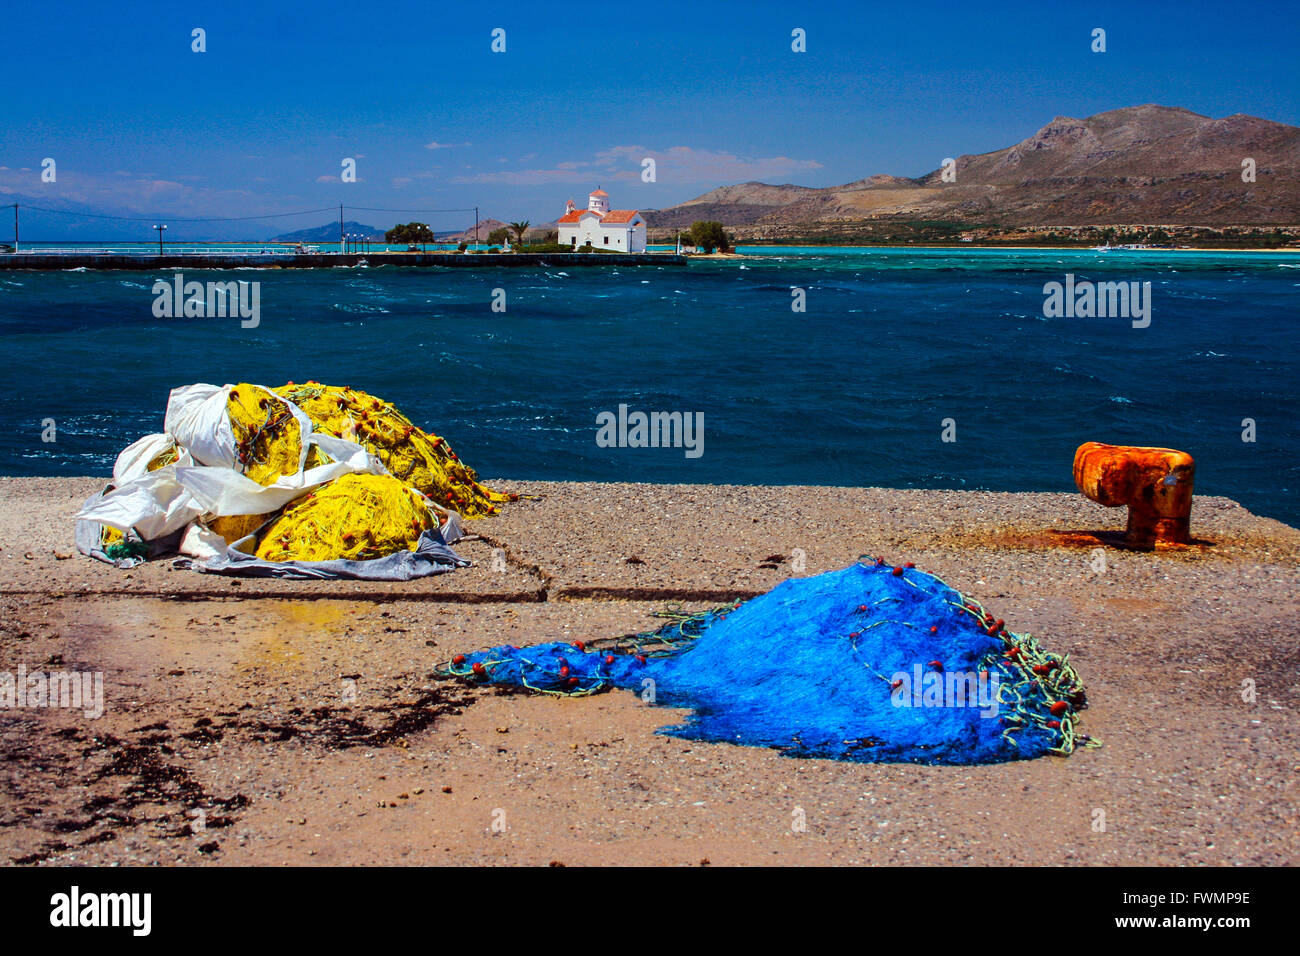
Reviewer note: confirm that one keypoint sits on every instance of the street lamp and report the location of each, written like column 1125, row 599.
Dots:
column 160, row 232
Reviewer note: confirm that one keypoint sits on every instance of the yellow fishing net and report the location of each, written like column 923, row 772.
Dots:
column 268, row 444
column 234, row 527
column 164, row 458
column 418, row 458
column 356, row 516
column 268, row 439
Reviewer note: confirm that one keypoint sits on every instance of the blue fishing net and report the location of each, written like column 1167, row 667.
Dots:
column 868, row 663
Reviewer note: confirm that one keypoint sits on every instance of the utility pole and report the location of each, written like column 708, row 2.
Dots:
column 341, row 227
column 160, row 235
column 15, row 227
column 476, row 227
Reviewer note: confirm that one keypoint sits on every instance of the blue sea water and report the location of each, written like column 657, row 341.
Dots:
column 853, row 391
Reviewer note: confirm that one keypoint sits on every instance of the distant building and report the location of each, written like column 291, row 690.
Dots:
column 619, row 230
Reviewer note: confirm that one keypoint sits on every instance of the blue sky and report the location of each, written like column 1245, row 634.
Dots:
column 140, row 125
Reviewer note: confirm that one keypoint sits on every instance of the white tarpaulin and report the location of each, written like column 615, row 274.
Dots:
column 135, row 457
column 155, row 504
column 198, row 420
column 221, row 491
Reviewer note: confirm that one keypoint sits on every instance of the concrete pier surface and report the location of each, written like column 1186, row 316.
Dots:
column 269, row 722
column 54, row 262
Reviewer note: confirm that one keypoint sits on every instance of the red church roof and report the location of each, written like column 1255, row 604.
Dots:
column 577, row 214
column 620, row 215
column 600, row 192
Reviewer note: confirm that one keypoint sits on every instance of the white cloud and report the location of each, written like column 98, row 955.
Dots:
column 677, row 164
column 437, row 145
column 121, row 191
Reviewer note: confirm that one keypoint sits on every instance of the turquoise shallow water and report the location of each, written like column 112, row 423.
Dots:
column 853, row 391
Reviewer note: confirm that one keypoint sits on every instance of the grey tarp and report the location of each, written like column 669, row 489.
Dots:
column 431, row 556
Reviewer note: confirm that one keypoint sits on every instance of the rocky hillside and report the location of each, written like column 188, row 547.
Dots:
column 1141, row 164
column 485, row 228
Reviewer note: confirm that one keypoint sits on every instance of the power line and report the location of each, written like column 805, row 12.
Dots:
column 375, row 209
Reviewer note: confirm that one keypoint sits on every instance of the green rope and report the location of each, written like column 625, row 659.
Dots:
column 1030, row 668
column 682, row 628
column 126, row 548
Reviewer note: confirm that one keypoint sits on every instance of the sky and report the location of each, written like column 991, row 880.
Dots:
column 139, row 124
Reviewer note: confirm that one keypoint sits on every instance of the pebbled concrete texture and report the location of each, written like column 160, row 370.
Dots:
column 271, row 722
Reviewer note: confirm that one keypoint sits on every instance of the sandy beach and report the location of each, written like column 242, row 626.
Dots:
column 270, row 722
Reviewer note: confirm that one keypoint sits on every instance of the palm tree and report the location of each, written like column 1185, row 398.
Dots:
column 520, row 228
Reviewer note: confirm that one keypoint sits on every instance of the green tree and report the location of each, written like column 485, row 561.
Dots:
column 520, row 228
column 409, row 233
column 498, row 236
column 709, row 235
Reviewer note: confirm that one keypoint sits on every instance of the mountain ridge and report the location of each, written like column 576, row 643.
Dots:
column 1135, row 164
column 330, row 233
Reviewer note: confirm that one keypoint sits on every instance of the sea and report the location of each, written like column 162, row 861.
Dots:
column 907, row 368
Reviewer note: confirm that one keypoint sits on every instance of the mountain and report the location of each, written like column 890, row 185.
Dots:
column 485, row 227
column 330, row 233
column 733, row 205
column 1138, row 165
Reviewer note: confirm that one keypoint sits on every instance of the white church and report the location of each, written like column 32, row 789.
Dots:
column 619, row 230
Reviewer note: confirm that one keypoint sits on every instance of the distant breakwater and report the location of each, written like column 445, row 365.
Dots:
column 135, row 262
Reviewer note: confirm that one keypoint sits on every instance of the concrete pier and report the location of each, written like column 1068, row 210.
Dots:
column 229, row 694
column 453, row 260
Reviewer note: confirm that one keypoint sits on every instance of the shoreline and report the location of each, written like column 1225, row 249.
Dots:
column 131, row 262
column 999, row 247
column 232, row 695
column 144, row 262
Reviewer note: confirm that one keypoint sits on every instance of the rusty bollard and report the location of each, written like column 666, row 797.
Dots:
column 1155, row 483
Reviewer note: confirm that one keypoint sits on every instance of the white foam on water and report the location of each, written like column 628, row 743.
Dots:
column 359, row 308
